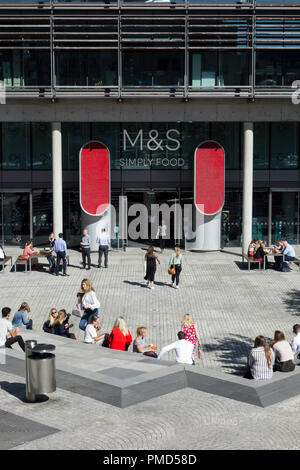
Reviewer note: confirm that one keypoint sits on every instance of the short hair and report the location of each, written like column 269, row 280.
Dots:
column 296, row 328
column 103, row 230
column 181, row 335
column 61, row 235
column 5, row 311
column 139, row 331
column 94, row 318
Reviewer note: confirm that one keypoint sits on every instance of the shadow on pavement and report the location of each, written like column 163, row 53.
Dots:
column 232, row 352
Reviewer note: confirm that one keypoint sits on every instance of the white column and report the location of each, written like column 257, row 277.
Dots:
column 57, row 179
column 247, row 184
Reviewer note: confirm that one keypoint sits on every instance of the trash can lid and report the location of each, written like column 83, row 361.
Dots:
column 43, row 348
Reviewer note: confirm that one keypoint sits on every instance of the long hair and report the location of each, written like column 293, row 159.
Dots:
column 140, row 330
column 25, row 306
column 51, row 319
column 121, row 324
column 261, row 342
column 51, row 237
column 278, row 336
column 61, row 317
column 88, row 284
column 187, row 320
column 150, row 252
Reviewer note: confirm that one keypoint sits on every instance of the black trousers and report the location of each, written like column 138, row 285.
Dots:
column 286, row 366
column 103, row 249
column 16, row 339
column 86, row 255
column 177, row 274
column 61, row 255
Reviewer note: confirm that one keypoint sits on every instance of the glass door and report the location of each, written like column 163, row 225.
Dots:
column 15, row 218
column 285, row 216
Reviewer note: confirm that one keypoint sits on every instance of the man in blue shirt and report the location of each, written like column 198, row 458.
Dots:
column 60, row 248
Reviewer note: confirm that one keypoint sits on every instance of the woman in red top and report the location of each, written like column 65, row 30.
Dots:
column 120, row 337
column 28, row 250
column 190, row 330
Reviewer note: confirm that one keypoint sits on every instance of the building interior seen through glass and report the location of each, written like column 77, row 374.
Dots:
column 148, row 147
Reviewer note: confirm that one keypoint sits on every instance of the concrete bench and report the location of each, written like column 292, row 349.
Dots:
column 4, row 261
column 250, row 260
column 297, row 261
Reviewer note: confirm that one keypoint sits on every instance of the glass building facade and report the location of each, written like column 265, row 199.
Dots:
column 122, row 51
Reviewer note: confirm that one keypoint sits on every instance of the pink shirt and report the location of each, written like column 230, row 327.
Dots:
column 28, row 251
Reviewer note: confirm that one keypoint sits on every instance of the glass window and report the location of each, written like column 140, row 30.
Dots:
column 232, row 218
column 109, row 134
column 25, row 68
column 261, row 145
column 285, row 216
column 192, row 135
column 228, row 134
column 260, row 215
column 36, row 68
column 269, row 70
column 42, row 215
column 153, row 68
column 219, row 68
column 15, row 145
column 15, row 218
column 74, row 136
column 165, row 146
column 135, row 153
column 41, row 146
column 284, row 145
column 86, row 68
column 72, row 217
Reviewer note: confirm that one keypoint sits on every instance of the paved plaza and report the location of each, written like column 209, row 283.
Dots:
column 230, row 306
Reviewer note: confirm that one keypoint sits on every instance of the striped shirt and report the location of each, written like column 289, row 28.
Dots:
column 258, row 364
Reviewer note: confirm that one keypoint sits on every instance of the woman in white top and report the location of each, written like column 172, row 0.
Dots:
column 283, row 353
column 161, row 235
column 90, row 303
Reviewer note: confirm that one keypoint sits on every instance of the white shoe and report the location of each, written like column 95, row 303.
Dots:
column 176, row 287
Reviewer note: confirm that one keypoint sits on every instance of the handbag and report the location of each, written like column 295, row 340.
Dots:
column 150, row 354
column 200, row 353
column 105, row 343
column 172, row 270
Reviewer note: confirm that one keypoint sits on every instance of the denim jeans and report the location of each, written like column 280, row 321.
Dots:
column 86, row 318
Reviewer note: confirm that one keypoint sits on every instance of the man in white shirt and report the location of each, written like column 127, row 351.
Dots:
column 91, row 334
column 183, row 349
column 296, row 340
column 104, row 242
column 5, row 328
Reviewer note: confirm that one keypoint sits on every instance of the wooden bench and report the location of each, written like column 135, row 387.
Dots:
column 4, row 261
column 22, row 262
column 253, row 260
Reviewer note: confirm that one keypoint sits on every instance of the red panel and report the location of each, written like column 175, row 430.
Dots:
column 94, row 178
column 209, row 177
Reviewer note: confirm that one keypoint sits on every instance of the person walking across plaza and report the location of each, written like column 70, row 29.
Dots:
column 161, row 235
column 183, row 349
column 61, row 251
column 104, row 241
column 86, row 249
column 7, row 328
column 90, row 304
column 176, row 263
column 150, row 261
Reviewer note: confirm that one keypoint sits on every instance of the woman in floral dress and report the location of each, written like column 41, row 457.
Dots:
column 190, row 329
